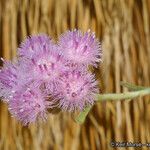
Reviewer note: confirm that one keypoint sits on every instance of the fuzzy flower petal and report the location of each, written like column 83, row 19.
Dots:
column 80, row 48
column 29, row 105
column 76, row 90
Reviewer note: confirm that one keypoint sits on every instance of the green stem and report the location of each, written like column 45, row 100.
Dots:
column 104, row 97
column 119, row 96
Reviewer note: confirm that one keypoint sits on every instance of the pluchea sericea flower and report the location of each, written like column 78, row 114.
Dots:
column 8, row 76
column 43, row 59
column 34, row 44
column 79, row 48
column 29, row 105
column 76, row 90
column 50, row 75
column 11, row 79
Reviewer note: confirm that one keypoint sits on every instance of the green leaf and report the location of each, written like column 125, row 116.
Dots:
column 132, row 87
column 82, row 115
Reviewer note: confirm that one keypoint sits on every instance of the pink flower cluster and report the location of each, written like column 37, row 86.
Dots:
column 49, row 75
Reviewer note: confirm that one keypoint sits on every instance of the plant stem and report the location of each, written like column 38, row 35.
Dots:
column 121, row 96
column 112, row 96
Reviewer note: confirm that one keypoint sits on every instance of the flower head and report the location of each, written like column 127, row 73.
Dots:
column 76, row 90
column 42, row 59
column 34, row 44
column 49, row 76
column 80, row 48
column 30, row 104
column 12, row 78
column 7, row 81
column 47, row 65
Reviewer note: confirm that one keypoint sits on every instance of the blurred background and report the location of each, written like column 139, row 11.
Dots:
column 123, row 27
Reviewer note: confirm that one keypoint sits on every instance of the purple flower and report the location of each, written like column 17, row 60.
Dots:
column 80, row 48
column 12, row 78
column 76, row 90
column 48, row 76
column 47, row 65
column 34, row 44
column 42, row 59
column 30, row 104
column 7, row 80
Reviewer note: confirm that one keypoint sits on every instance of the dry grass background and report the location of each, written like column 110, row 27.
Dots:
column 123, row 26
